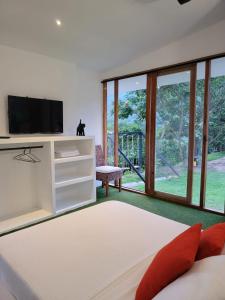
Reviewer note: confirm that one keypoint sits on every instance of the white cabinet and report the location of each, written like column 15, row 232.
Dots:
column 33, row 192
column 70, row 196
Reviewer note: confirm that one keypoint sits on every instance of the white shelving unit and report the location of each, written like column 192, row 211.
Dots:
column 33, row 192
column 72, row 181
column 70, row 197
column 72, row 159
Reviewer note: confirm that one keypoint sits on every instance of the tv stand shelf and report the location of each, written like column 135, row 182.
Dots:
column 43, row 190
column 68, row 182
column 72, row 159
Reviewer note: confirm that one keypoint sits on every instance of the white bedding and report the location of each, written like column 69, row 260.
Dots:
column 97, row 253
column 204, row 281
column 4, row 293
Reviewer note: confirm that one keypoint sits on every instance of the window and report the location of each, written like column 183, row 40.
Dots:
column 172, row 133
column 131, row 131
column 215, row 179
column 166, row 129
column 110, row 122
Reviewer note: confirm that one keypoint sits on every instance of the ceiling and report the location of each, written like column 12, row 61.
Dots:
column 102, row 34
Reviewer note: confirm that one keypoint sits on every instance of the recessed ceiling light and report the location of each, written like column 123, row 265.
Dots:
column 58, row 22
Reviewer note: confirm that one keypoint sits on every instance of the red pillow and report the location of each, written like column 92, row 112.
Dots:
column 171, row 261
column 212, row 241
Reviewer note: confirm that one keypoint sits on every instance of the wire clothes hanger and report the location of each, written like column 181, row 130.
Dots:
column 27, row 156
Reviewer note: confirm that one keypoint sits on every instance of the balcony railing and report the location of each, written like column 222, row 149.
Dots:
column 132, row 153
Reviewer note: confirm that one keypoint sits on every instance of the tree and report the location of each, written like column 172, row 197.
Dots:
column 132, row 108
column 172, row 118
column 217, row 114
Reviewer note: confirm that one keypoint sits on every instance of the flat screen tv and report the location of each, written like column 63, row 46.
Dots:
column 29, row 115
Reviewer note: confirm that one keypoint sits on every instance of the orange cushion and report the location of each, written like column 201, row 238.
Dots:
column 212, row 241
column 170, row 262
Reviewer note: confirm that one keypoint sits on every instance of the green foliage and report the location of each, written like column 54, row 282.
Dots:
column 172, row 119
column 172, row 132
column 217, row 115
column 133, row 106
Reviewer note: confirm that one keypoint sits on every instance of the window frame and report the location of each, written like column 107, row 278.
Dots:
column 151, row 91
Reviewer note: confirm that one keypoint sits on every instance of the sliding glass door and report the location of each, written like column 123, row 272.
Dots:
column 131, row 131
column 110, row 122
column 172, row 133
column 198, row 140
column 166, row 130
column 215, row 178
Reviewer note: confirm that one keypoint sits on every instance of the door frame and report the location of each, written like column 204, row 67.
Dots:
column 151, row 93
column 151, row 126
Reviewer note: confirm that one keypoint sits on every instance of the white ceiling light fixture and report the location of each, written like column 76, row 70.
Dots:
column 58, row 22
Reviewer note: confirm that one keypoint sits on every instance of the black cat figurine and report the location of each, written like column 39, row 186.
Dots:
column 80, row 129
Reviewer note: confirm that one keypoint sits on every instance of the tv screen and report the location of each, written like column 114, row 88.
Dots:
column 29, row 115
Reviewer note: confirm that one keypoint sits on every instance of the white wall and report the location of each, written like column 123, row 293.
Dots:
column 29, row 74
column 202, row 43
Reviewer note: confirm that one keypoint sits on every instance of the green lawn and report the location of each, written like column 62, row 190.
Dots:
column 130, row 176
column 215, row 193
column 215, row 155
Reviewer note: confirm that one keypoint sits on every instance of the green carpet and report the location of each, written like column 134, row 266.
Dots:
column 179, row 213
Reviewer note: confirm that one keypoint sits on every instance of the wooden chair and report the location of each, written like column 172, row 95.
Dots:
column 105, row 173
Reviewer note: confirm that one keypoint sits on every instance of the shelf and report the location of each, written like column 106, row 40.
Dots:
column 74, row 196
column 51, row 187
column 25, row 219
column 44, row 138
column 72, row 159
column 68, row 182
column 70, row 204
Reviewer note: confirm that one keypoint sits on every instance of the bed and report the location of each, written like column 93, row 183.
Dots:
column 99, row 253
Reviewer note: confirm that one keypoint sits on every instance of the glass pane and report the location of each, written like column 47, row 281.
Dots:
column 110, row 122
column 132, row 123
column 172, row 133
column 200, row 89
column 215, row 183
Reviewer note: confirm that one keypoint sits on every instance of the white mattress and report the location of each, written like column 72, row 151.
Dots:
column 97, row 253
column 4, row 293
